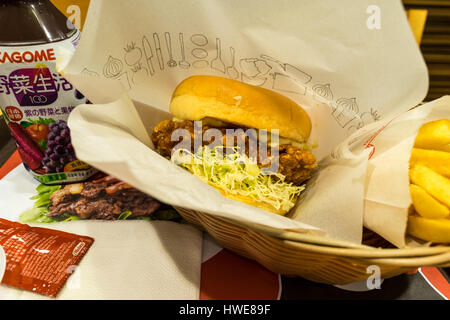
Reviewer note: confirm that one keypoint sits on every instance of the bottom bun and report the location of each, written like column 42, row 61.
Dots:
column 254, row 203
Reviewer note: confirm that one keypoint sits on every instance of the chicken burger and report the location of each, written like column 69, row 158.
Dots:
column 248, row 142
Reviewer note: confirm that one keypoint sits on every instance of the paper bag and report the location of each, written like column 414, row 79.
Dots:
column 387, row 197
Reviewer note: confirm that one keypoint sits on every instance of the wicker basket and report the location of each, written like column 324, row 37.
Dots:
column 316, row 258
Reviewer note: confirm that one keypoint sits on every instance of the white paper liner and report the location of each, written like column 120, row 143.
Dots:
column 348, row 77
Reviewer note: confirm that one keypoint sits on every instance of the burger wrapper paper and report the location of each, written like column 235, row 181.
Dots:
column 387, row 197
column 351, row 65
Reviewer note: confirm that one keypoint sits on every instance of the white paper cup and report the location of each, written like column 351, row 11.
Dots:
column 2, row 263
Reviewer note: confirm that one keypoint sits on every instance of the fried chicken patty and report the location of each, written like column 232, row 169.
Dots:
column 294, row 163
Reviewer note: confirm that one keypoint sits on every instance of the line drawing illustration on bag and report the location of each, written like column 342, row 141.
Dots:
column 183, row 63
column 148, row 53
column 231, row 71
column 158, row 51
column 323, row 91
column 133, row 54
column 171, row 63
column 199, row 53
column 289, row 70
column 217, row 63
column 345, row 110
column 199, row 39
column 254, row 71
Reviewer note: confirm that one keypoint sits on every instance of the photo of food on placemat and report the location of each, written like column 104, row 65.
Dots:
column 102, row 197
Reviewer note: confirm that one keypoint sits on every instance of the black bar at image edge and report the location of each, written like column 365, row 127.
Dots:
column 242, row 309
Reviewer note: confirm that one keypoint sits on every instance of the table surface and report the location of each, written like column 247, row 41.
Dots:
column 225, row 275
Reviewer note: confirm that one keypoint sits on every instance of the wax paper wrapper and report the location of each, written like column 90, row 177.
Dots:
column 387, row 197
column 349, row 64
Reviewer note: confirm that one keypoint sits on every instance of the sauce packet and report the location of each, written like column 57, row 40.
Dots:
column 40, row 259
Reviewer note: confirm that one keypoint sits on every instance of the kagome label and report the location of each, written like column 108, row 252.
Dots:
column 36, row 101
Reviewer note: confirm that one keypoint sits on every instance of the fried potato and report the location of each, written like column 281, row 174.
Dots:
column 438, row 161
column 436, row 185
column 434, row 135
column 434, row 230
column 426, row 205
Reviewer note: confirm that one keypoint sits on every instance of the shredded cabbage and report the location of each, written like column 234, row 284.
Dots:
column 237, row 174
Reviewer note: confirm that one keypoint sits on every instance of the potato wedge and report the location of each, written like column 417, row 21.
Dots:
column 438, row 161
column 426, row 205
column 434, row 135
column 434, row 230
column 436, row 185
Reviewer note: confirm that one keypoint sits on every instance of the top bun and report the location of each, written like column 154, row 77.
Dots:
column 233, row 101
